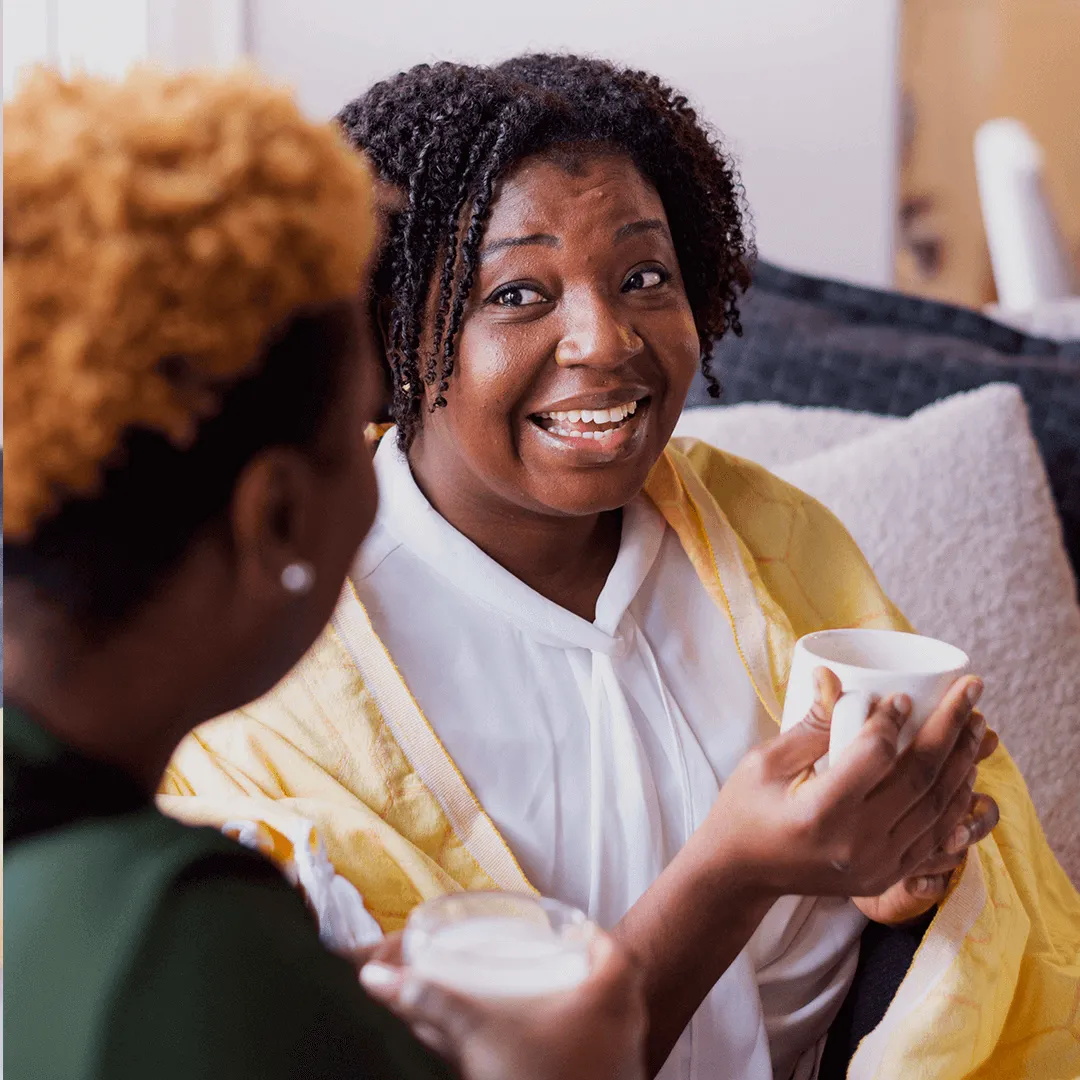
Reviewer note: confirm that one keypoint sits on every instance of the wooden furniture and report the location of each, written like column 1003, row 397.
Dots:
column 964, row 62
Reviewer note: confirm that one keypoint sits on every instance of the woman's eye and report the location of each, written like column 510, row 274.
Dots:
column 516, row 296
column 644, row 279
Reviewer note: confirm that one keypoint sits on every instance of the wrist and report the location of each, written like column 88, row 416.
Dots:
column 726, row 872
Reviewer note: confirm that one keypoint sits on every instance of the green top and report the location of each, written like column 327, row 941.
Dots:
column 137, row 947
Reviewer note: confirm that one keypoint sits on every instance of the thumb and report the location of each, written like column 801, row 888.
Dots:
column 613, row 978
column 454, row 1016
column 796, row 751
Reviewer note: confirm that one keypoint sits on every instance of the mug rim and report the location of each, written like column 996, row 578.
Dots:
column 960, row 659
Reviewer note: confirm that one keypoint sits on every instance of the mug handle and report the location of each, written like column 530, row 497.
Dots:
column 851, row 711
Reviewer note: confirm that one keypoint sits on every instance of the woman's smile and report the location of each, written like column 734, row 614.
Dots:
column 595, row 434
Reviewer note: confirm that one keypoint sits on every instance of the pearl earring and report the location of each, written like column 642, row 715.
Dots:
column 298, row 577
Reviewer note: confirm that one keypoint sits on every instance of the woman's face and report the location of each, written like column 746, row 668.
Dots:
column 577, row 348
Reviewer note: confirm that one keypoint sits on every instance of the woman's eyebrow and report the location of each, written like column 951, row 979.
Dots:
column 546, row 239
column 635, row 228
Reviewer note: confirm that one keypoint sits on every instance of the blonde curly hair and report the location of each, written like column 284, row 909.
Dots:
column 155, row 231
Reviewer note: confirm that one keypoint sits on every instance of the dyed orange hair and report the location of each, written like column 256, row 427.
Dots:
column 155, row 231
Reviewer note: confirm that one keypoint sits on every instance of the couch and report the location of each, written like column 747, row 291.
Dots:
column 813, row 342
column 950, row 447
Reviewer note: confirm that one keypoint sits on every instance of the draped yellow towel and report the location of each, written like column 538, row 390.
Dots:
column 994, row 990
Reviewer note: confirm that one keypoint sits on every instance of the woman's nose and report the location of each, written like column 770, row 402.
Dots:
column 595, row 335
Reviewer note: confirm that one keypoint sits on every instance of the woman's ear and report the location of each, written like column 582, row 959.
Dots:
column 270, row 519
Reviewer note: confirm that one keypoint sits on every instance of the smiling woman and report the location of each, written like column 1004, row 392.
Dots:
column 564, row 648
column 577, row 348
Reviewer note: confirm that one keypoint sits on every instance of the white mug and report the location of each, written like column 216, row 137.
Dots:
column 869, row 664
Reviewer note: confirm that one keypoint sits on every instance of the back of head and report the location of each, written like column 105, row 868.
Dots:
column 181, row 257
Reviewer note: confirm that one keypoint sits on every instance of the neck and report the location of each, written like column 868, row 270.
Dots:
column 566, row 559
column 104, row 699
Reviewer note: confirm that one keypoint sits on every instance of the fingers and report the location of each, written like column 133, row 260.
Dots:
column 387, row 950
column 927, row 829
column 797, row 751
column 936, row 740
column 608, row 962
column 961, row 827
column 827, row 691
column 441, row 1018
column 382, row 981
column 931, row 887
column 982, row 817
column 613, row 979
column 940, row 809
column 939, row 863
column 990, row 743
column 872, row 756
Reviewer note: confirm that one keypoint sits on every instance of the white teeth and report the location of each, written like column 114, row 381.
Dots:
column 615, row 415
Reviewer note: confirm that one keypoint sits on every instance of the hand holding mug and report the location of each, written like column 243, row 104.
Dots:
column 596, row 1030
column 878, row 815
column 927, row 885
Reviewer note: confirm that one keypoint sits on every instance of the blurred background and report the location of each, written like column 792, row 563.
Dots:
column 854, row 121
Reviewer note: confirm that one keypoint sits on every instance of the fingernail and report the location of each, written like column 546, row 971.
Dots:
column 959, row 839
column 902, row 704
column 379, row 977
column 410, row 992
column 922, row 885
column 974, row 692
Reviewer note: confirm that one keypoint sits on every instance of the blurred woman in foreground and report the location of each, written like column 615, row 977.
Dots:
column 188, row 380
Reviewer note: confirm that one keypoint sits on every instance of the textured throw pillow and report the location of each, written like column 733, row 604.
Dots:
column 953, row 510
column 810, row 341
column 772, row 434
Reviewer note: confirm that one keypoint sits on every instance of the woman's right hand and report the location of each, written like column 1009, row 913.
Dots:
column 595, row 1032
column 871, row 820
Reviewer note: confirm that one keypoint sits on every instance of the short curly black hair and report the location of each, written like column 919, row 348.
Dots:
column 444, row 134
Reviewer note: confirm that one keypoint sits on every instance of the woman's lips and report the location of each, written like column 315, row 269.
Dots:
column 587, row 424
column 591, row 430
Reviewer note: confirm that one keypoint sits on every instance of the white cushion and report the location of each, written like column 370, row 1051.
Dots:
column 953, row 510
column 773, row 434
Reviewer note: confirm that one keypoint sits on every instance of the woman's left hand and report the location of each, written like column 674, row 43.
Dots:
column 907, row 900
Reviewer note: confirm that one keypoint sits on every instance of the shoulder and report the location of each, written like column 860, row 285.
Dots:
column 744, row 489
column 805, row 556
column 79, row 902
column 230, row 979
column 134, row 855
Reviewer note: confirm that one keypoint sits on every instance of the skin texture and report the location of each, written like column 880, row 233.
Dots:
column 592, row 315
column 579, row 303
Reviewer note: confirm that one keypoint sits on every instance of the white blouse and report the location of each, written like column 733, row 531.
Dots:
column 597, row 748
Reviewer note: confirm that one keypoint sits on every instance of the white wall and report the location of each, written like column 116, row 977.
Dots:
column 804, row 90
column 106, row 37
